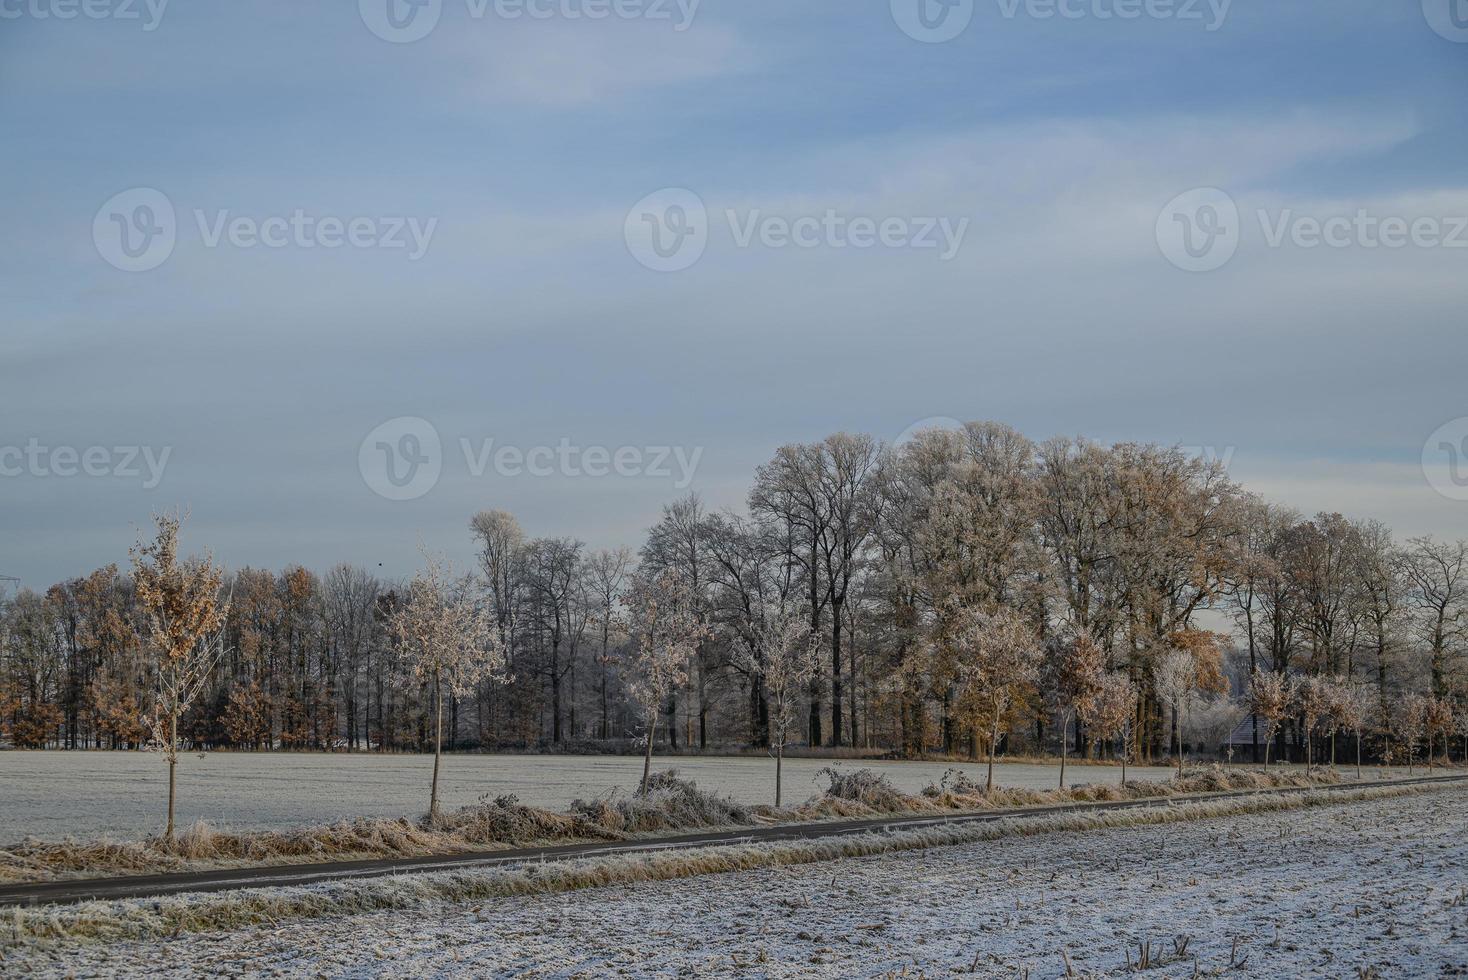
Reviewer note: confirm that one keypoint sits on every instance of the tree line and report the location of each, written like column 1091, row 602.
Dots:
column 967, row 592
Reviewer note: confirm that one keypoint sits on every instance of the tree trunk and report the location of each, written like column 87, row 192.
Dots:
column 993, row 742
column 437, row 747
column 652, row 730
column 779, row 761
column 172, row 772
column 836, row 683
column 1177, row 729
column 1064, row 732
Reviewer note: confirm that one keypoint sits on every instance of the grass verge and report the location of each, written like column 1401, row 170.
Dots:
column 671, row 805
column 166, row 917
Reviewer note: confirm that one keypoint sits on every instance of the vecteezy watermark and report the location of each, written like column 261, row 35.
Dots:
column 148, row 13
column 403, row 459
column 1445, row 459
column 37, row 460
column 406, row 21
column 1200, row 230
column 1210, row 13
column 936, row 21
column 1221, row 456
column 1449, row 18
column 944, row 423
column 668, row 230
column 137, row 230
column 933, row 21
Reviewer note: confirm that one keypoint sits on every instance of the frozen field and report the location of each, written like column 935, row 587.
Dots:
column 1375, row 889
column 122, row 794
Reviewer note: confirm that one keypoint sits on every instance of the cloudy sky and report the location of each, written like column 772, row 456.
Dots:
column 285, row 264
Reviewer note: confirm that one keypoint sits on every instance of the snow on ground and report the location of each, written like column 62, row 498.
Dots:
column 122, row 794
column 1330, row 892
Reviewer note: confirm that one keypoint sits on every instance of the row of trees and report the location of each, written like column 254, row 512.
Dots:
column 968, row 591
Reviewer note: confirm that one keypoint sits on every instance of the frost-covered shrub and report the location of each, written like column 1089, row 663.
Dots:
column 670, row 803
column 866, row 787
column 955, row 782
column 505, row 819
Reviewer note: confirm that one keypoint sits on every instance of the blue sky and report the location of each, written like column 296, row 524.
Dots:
column 1319, row 372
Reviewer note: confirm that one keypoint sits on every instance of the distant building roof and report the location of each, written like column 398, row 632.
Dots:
column 1243, row 733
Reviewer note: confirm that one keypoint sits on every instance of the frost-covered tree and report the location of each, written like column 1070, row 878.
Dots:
column 1176, row 678
column 1409, row 725
column 1109, row 714
column 448, row 639
column 666, row 631
column 1270, row 697
column 785, row 659
column 182, row 617
column 1439, row 721
column 999, row 658
column 1351, row 709
column 1314, row 697
column 1074, row 669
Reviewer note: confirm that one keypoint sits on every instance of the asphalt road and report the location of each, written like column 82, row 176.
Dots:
column 228, row 879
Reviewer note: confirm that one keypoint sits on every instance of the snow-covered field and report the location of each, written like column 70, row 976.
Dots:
column 121, row 794
column 1370, row 889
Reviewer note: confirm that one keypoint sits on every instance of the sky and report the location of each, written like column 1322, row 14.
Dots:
column 334, row 276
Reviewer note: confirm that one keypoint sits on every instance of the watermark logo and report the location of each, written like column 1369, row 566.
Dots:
column 1445, row 459
column 1210, row 13
column 1362, row 229
column 1219, row 456
column 932, row 21
column 400, row 21
column 668, row 230
column 1199, row 230
column 300, row 229
column 149, row 13
column 1449, row 18
column 569, row 459
column 943, row 423
column 135, row 231
column 401, row 459
column 406, row 21
column 35, row 459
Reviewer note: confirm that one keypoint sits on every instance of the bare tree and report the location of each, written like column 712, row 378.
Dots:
column 666, row 631
column 999, row 657
column 1270, row 698
column 1109, row 714
column 1352, row 708
column 1437, row 573
column 606, row 574
column 1075, row 670
column 1313, row 699
column 1176, row 678
column 183, row 614
column 448, row 639
column 1409, row 725
column 785, row 659
column 1439, row 721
